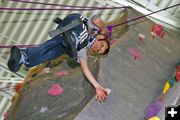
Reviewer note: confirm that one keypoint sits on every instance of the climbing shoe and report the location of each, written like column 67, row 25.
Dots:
column 13, row 62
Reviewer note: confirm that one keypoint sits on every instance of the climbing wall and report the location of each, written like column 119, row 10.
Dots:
column 53, row 90
column 136, row 70
column 56, row 89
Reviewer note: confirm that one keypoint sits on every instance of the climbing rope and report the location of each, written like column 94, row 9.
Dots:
column 67, row 9
column 19, row 46
column 51, row 4
column 75, row 8
column 136, row 18
column 139, row 17
column 110, row 27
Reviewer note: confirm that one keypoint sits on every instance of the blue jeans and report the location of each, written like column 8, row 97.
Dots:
column 49, row 50
column 52, row 48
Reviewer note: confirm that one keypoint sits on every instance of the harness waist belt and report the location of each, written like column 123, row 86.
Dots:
column 61, row 30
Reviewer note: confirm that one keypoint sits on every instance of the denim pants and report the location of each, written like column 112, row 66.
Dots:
column 52, row 48
column 49, row 50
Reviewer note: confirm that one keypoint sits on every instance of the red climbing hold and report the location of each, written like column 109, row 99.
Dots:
column 157, row 30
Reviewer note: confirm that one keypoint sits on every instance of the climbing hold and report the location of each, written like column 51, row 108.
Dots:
column 55, row 90
column 154, row 118
column 44, row 109
column 172, row 81
column 46, row 70
column 62, row 73
column 141, row 36
column 18, row 87
column 34, row 71
column 157, row 30
column 178, row 73
column 153, row 109
column 166, row 87
column 108, row 91
column 134, row 52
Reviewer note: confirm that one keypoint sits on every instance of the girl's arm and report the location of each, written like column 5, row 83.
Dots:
column 101, row 93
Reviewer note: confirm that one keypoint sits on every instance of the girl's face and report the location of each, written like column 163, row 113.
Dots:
column 99, row 46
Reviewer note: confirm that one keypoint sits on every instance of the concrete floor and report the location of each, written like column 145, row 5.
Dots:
column 134, row 83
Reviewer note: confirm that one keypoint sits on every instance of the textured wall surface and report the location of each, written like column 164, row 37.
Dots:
column 34, row 102
column 134, row 83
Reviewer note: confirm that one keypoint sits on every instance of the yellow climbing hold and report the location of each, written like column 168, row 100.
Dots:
column 154, row 118
column 166, row 87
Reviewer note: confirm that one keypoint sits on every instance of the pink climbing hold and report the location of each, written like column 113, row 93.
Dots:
column 55, row 90
column 62, row 73
column 157, row 30
column 134, row 52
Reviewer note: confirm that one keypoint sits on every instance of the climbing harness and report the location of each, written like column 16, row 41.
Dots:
column 63, row 29
column 71, row 49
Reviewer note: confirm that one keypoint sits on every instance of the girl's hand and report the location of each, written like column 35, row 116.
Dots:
column 101, row 94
